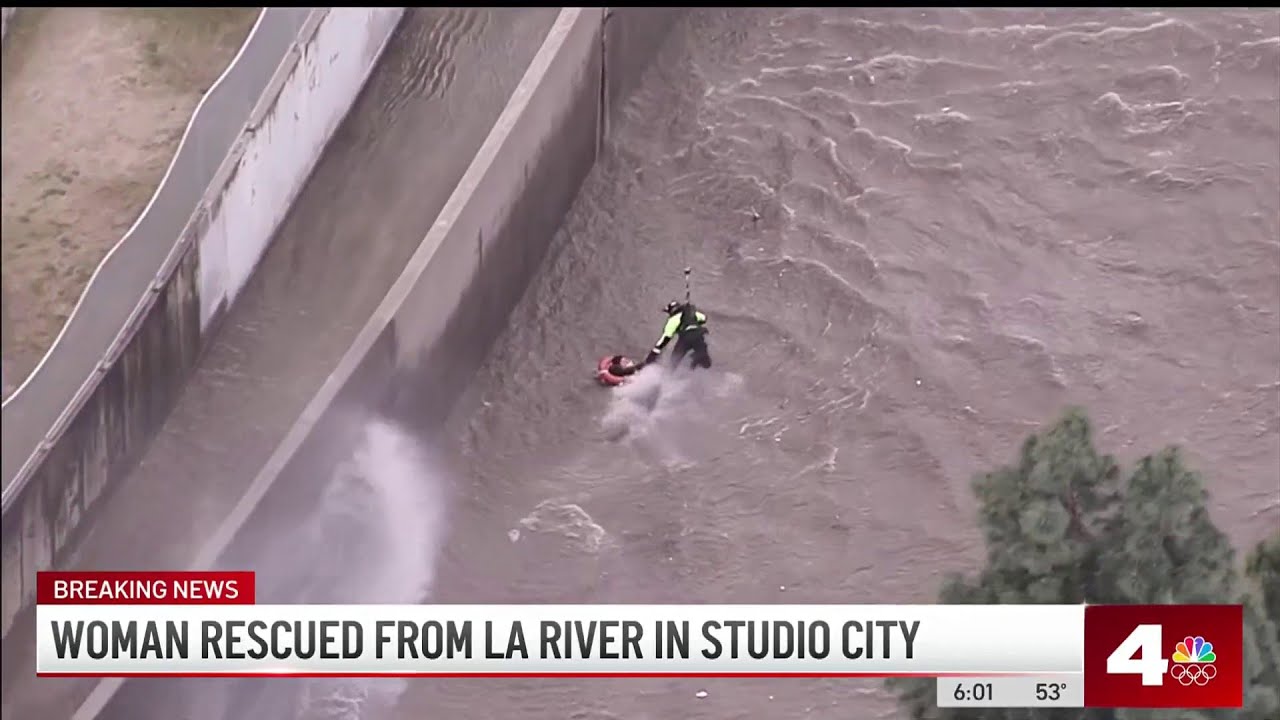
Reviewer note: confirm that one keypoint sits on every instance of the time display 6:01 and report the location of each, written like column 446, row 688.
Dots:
column 977, row 692
column 1022, row 691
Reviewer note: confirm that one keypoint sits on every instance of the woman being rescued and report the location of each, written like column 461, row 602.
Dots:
column 614, row 370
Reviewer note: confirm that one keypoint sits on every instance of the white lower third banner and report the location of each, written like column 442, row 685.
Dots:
column 545, row 640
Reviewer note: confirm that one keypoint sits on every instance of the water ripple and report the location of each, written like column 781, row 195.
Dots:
column 918, row 233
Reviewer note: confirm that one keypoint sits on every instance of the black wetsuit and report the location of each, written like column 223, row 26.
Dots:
column 691, row 339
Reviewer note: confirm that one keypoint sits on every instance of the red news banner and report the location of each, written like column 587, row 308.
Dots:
column 1164, row 656
column 145, row 588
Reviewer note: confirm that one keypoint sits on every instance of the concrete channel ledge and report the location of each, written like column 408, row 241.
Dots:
column 81, row 421
column 477, row 258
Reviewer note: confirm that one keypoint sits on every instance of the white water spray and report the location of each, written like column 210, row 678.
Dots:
column 662, row 410
column 380, row 525
column 638, row 408
column 374, row 537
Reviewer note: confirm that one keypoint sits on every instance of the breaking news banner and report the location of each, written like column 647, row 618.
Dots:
column 208, row 624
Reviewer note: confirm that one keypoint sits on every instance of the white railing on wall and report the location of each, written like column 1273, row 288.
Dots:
column 123, row 288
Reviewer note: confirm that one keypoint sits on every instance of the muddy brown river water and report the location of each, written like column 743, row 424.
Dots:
column 919, row 235
column 967, row 220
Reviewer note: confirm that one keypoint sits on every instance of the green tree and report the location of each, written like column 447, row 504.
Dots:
column 1059, row 528
column 1264, row 570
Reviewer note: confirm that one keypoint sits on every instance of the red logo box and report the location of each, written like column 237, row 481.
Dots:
column 1164, row 656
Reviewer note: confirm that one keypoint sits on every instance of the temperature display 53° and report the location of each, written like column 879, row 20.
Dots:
column 1066, row 690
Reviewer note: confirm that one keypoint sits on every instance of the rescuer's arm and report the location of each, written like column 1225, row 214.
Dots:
column 668, row 332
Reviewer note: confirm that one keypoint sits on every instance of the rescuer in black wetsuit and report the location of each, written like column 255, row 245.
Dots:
column 689, row 328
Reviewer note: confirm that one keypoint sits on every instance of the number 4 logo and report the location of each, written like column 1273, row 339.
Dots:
column 1144, row 642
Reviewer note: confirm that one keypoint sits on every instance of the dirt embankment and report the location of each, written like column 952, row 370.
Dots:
column 94, row 103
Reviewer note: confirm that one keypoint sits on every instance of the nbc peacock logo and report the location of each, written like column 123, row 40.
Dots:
column 1193, row 659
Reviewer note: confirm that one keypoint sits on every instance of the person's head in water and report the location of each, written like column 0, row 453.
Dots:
column 622, row 366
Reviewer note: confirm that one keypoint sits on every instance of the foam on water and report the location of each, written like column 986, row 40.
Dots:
column 663, row 412
column 660, row 396
column 638, row 405
column 567, row 519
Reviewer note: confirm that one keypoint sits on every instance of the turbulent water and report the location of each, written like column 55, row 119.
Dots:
column 918, row 235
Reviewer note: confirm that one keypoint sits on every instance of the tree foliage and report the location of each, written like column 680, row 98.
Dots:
column 1264, row 570
column 1061, row 527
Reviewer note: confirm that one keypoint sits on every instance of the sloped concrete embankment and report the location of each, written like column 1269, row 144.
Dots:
column 418, row 350
column 81, row 421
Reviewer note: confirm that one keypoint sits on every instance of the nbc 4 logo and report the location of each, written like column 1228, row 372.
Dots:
column 1140, row 654
column 1193, row 661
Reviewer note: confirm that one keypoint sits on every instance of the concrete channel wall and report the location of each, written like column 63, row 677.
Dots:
column 420, row 346
column 79, row 424
column 6, row 14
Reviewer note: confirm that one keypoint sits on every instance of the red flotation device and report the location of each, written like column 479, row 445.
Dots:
column 604, row 373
